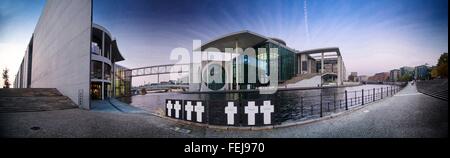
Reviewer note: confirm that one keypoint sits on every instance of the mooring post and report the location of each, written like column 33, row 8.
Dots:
column 346, row 101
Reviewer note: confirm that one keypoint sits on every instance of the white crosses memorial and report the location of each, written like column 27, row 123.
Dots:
column 230, row 110
column 188, row 108
column 199, row 109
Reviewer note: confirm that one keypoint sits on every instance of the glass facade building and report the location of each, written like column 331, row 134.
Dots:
column 292, row 65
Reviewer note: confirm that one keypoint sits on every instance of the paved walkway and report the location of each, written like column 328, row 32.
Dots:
column 407, row 114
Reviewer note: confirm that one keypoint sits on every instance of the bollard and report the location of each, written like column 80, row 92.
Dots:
column 362, row 96
column 301, row 106
column 346, row 102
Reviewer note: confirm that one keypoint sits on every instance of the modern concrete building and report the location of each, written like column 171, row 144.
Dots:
column 405, row 70
column 363, row 78
column 394, row 75
column 353, row 77
column 69, row 52
column 422, row 72
column 250, row 70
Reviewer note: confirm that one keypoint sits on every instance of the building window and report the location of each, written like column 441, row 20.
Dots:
column 107, row 72
column 304, row 65
column 95, row 49
column 96, row 70
column 97, row 39
column 107, row 52
column 96, row 91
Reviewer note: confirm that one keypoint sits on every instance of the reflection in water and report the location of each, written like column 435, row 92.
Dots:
column 290, row 105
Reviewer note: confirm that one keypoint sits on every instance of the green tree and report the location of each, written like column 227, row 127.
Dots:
column 5, row 78
column 405, row 77
column 442, row 66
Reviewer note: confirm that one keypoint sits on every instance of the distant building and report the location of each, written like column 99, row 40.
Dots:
column 363, row 78
column 422, row 72
column 353, row 77
column 405, row 70
column 394, row 75
column 379, row 77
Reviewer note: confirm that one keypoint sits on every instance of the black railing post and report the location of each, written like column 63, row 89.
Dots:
column 334, row 101
column 328, row 106
column 373, row 94
column 362, row 96
column 391, row 92
column 381, row 92
column 301, row 106
column 346, row 102
column 320, row 104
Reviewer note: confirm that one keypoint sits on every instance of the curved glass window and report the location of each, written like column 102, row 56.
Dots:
column 107, row 51
column 107, row 72
column 96, row 70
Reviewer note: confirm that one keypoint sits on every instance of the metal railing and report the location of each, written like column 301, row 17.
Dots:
column 324, row 104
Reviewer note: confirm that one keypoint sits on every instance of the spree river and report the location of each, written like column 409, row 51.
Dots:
column 291, row 104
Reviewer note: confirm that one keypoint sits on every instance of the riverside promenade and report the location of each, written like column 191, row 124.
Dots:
column 406, row 114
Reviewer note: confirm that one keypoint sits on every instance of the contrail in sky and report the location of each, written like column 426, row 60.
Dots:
column 306, row 21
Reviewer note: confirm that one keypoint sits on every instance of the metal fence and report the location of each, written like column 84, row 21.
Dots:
column 325, row 104
column 287, row 105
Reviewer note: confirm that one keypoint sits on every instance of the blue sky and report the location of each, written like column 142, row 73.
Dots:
column 373, row 36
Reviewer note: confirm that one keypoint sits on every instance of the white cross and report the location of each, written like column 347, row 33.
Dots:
column 251, row 110
column 199, row 109
column 177, row 108
column 169, row 108
column 188, row 108
column 230, row 110
column 267, row 109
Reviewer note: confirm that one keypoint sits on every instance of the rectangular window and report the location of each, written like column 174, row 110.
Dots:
column 304, row 65
column 107, row 72
column 107, row 47
column 96, row 70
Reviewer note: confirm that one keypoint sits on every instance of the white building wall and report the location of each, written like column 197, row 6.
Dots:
column 61, row 49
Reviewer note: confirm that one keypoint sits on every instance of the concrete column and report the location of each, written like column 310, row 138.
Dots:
column 339, row 73
column 103, row 43
column 103, row 83
column 321, row 64
column 237, row 65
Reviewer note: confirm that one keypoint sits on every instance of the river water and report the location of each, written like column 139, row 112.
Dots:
column 290, row 104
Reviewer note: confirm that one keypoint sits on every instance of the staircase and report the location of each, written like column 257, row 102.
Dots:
column 33, row 99
column 437, row 88
column 298, row 78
